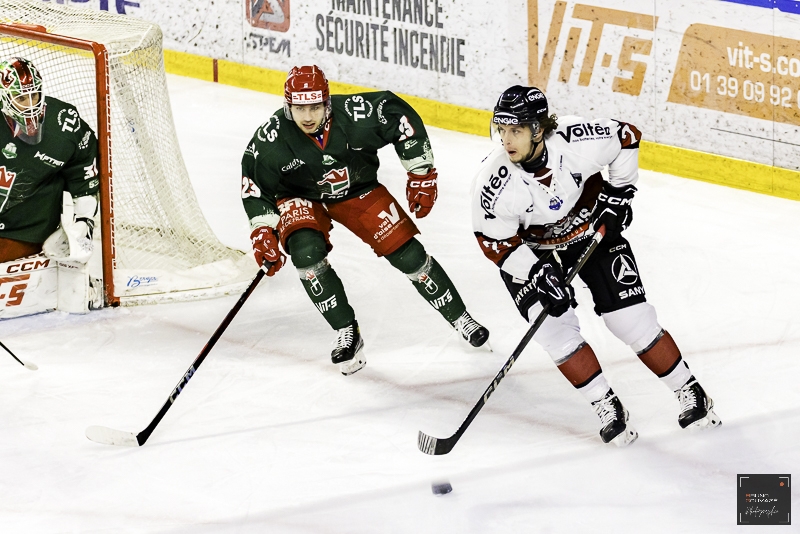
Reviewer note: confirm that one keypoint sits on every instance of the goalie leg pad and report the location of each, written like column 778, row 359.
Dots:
column 559, row 336
column 636, row 326
column 74, row 289
column 27, row 286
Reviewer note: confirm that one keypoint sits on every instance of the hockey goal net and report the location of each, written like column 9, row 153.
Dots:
column 156, row 243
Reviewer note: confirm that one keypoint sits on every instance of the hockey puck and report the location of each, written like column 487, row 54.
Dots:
column 441, row 488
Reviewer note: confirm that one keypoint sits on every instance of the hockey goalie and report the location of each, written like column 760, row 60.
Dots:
column 48, row 198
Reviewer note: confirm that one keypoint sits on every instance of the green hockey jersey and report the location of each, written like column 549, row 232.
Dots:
column 34, row 177
column 281, row 161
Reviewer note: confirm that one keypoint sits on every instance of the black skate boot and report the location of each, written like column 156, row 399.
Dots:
column 696, row 407
column 349, row 351
column 471, row 330
column 614, row 418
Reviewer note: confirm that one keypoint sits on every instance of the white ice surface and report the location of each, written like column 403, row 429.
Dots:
column 269, row 437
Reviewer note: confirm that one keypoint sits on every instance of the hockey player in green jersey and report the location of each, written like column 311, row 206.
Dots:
column 45, row 149
column 315, row 161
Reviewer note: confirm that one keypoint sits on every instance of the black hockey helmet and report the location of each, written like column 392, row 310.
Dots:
column 521, row 105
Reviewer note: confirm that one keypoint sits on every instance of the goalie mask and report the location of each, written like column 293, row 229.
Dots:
column 306, row 85
column 22, row 99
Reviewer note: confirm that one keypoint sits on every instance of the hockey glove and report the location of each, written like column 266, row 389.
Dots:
column 421, row 192
column 551, row 287
column 71, row 242
column 266, row 251
column 613, row 209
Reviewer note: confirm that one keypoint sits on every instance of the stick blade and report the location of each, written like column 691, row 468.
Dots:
column 434, row 446
column 109, row 436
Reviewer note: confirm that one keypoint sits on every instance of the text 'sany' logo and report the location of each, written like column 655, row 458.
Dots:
column 268, row 14
column 6, row 183
column 335, row 183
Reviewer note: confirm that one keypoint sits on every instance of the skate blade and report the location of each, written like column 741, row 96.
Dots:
column 351, row 366
column 711, row 420
column 626, row 437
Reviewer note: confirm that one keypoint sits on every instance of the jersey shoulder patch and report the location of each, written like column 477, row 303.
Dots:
column 629, row 135
column 361, row 108
column 269, row 131
column 66, row 116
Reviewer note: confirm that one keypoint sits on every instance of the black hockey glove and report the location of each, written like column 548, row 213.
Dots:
column 613, row 209
column 551, row 287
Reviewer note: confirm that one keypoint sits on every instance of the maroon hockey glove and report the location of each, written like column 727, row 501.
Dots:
column 551, row 287
column 421, row 192
column 266, row 251
column 614, row 209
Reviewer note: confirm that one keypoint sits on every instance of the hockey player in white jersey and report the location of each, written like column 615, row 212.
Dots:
column 537, row 199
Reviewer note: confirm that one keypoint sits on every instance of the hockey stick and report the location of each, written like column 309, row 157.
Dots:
column 109, row 436
column 26, row 365
column 436, row 446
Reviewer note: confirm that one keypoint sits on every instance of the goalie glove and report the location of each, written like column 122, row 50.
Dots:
column 613, row 209
column 421, row 192
column 266, row 251
column 551, row 287
column 72, row 241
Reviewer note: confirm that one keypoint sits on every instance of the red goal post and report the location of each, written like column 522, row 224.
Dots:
column 154, row 240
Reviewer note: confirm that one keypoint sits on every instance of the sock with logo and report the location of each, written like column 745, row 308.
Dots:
column 428, row 278
column 326, row 291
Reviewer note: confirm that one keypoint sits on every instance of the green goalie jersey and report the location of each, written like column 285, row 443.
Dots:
column 34, row 177
column 281, row 161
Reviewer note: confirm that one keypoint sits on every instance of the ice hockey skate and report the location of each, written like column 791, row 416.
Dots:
column 349, row 351
column 614, row 418
column 475, row 334
column 696, row 407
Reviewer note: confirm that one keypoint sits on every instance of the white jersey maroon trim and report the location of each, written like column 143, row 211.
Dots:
column 552, row 206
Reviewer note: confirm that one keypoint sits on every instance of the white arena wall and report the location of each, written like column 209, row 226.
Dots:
column 714, row 85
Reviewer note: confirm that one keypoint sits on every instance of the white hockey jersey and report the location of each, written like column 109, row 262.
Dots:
column 515, row 212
